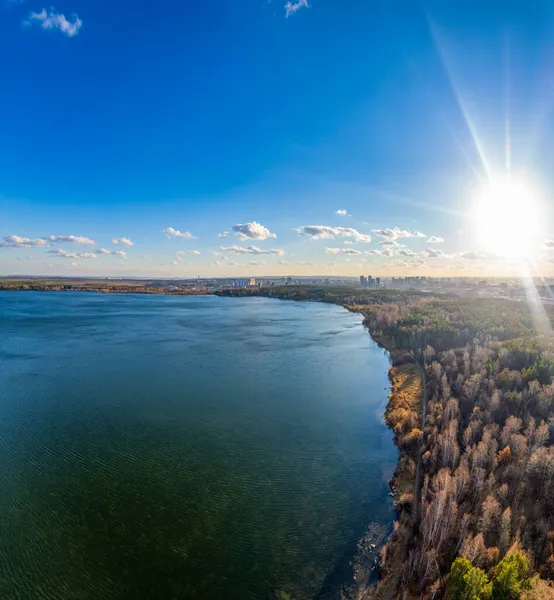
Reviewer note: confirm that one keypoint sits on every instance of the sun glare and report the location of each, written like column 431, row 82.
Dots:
column 507, row 217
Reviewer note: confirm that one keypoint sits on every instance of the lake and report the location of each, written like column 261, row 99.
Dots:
column 168, row 447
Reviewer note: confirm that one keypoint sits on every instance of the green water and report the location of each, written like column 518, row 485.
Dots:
column 161, row 448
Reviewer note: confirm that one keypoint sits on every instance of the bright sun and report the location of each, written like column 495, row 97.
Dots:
column 507, row 217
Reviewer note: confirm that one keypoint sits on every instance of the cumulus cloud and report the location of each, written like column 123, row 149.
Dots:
column 391, row 244
column 473, row 255
column 384, row 252
column 124, row 241
column 118, row 253
column 326, row 232
column 349, row 251
column 48, row 19
column 284, row 262
column 252, row 231
column 256, row 263
column 224, row 234
column 407, row 252
column 65, row 254
column 74, row 265
column 71, row 239
column 395, row 233
column 251, row 250
column 434, row 253
column 549, row 244
column 15, row 241
column 292, row 7
column 170, row 232
column 399, row 263
column 342, row 213
column 433, row 239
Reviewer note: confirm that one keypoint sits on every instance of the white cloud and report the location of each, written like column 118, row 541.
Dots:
column 384, row 252
column 399, row 263
column 407, row 252
column 252, row 231
column 549, row 244
column 15, row 241
column 65, row 254
column 306, row 264
column 124, row 241
column 284, row 262
column 342, row 213
column 52, row 20
column 215, row 252
column 391, row 244
column 292, row 7
column 170, row 232
column 74, row 265
column 118, row 253
column 71, row 239
column 350, row 251
column 256, row 263
column 224, row 234
column 325, row 232
column 395, row 233
column 434, row 253
column 433, row 239
column 251, row 250
column 472, row 255
column 348, row 243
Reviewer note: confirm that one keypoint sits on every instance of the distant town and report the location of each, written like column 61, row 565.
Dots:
column 506, row 288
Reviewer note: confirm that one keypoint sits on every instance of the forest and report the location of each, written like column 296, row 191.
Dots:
column 472, row 410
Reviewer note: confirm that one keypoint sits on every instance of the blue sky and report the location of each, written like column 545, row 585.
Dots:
column 121, row 120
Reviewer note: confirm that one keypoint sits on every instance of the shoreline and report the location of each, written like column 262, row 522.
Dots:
column 407, row 392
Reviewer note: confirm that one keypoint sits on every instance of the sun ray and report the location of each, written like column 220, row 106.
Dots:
column 541, row 321
column 472, row 129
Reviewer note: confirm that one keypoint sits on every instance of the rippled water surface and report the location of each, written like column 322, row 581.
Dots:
column 156, row 447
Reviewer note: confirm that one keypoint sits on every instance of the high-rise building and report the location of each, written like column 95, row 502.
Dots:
column 363, row 281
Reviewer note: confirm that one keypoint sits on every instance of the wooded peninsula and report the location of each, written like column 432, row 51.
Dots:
column 472, row 411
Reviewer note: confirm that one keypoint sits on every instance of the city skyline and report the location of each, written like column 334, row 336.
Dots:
column 276, row 138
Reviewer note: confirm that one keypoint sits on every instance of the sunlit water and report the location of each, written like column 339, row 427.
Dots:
column 156, row 447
